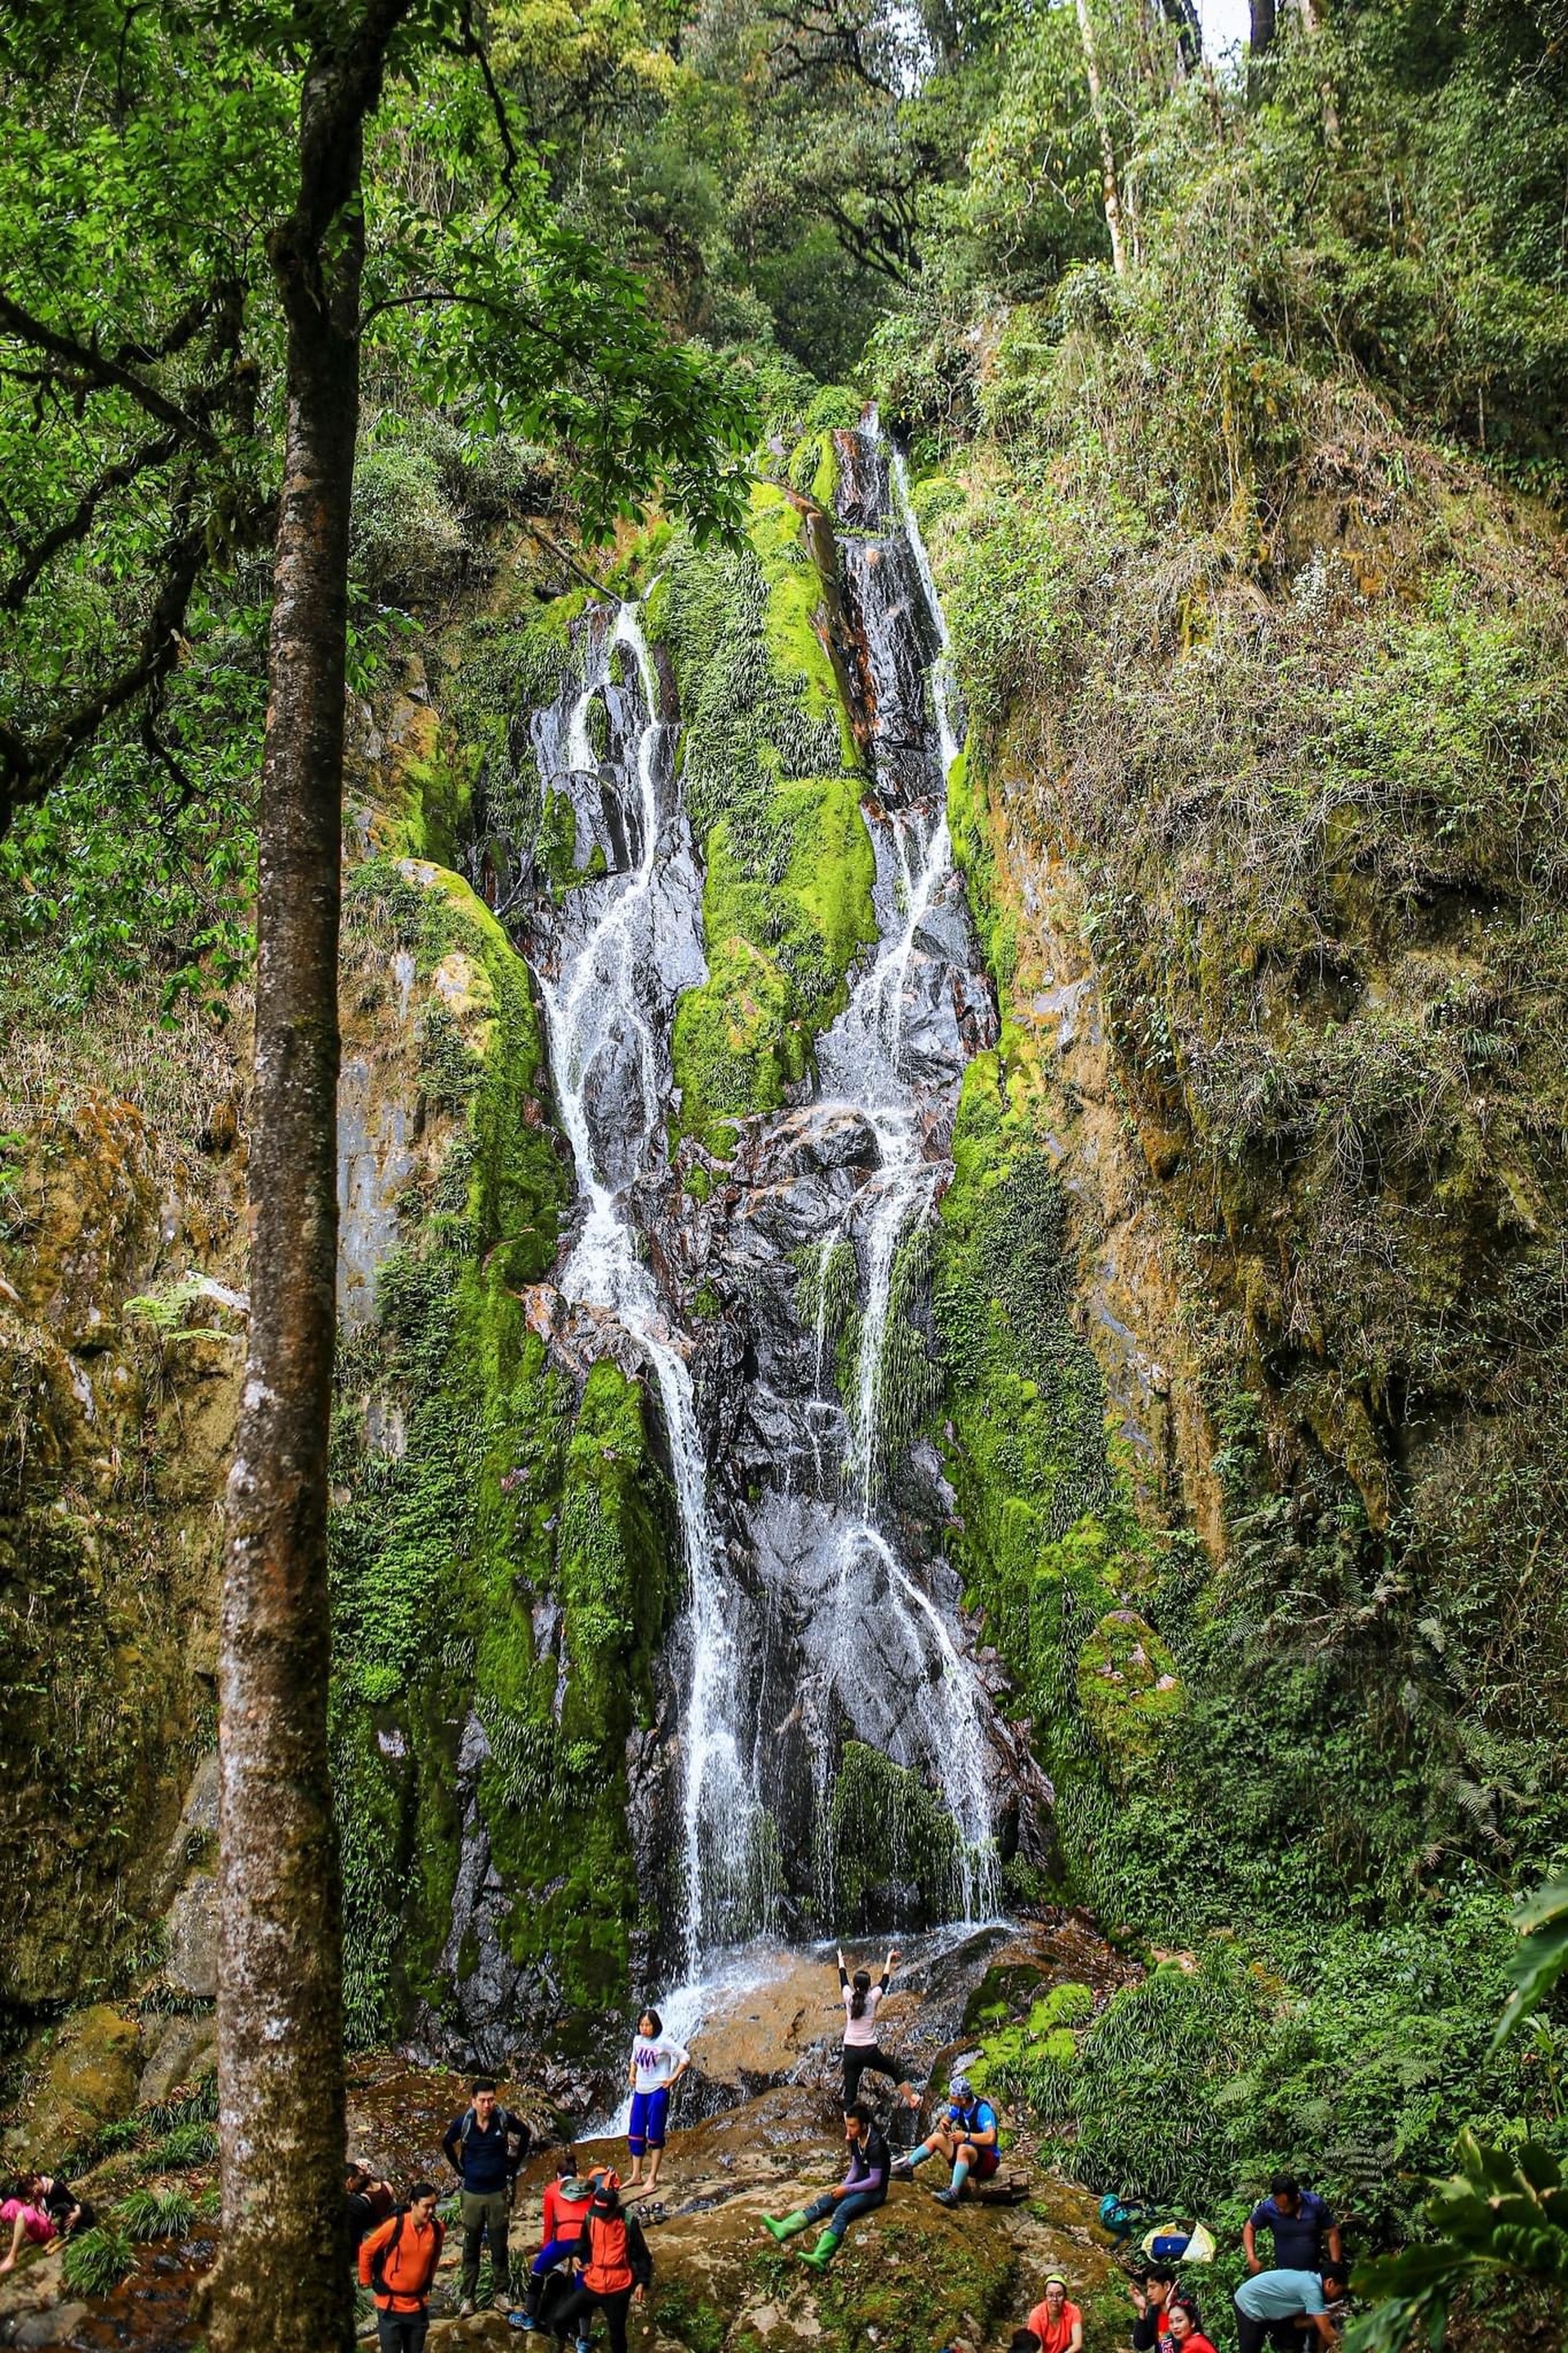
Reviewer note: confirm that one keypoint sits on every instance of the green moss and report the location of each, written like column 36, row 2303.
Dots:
column 778, row 951
column 506, row 1491
column 884, row 1826
column 1128, row 1687
column 771, row 781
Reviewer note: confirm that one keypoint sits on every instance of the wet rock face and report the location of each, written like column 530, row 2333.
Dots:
column 785, row 1279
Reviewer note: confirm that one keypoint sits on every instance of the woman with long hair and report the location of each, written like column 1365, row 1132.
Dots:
column 862, row 2051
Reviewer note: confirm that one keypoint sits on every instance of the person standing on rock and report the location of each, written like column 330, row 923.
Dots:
column 397, row 2263
column 484, row 2145
column 657, row 2064
column 862, row 2053
column 863, row 2189
column 615, row 2268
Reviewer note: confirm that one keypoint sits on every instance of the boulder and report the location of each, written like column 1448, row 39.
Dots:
column 184, row 2048
column 57, row 2325
column 194, row 1938
column 86, row 2078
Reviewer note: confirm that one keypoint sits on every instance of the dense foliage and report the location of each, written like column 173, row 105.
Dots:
column 1251, row 549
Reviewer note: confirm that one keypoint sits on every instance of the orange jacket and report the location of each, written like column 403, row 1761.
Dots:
column 410, row 2265
column 613, row 2253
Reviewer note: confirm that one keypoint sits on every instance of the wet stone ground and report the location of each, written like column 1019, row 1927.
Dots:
column 761, row 2134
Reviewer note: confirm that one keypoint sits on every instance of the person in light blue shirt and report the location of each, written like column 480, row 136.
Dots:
column 1283, row 2308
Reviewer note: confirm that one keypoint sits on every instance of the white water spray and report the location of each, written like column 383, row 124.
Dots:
column 593, row 1008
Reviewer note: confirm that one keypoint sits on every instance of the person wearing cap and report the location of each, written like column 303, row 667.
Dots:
column 1058, row 2324
column 967, row 2140
column 614, row 2265
column 567, row 2200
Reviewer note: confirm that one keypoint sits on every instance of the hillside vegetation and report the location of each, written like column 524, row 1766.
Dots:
column 1247, row 1351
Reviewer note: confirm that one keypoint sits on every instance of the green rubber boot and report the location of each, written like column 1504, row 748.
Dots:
column 787, row 2227
column 822, row 2254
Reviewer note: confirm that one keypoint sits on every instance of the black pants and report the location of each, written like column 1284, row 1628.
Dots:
column 1260, row 2335
column 573, row 2316
column 403, row 2332
column 868, row 2059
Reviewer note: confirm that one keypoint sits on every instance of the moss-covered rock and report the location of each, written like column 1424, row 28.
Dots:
column 886, row 1831
column 772, row 778
column 499, row 1545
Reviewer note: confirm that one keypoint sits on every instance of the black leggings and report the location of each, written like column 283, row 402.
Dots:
column 862, row 2058
column 571, row 2318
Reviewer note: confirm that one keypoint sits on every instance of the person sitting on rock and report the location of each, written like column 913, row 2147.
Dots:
column 1058, row 2324
column 369, row 2200
column 45, row 2209
column 657, row 2064
column 567, row 2200
column 862, row 2051
column 863, row 2189
column 1152, row 2301
column 615, row 2264
column 968, row 2140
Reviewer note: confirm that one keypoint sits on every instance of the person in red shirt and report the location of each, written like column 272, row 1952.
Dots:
column 397, row 2262
column 1058, row 2324
column 567, row 2200
column 615, row 2268
column 1186, row 2329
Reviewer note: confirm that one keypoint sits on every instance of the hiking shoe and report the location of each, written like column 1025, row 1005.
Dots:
column 465, row 2309
column 902, row 2170
column 522, row 2320
column 945, row 2196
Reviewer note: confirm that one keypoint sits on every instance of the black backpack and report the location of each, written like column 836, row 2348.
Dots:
column 514, row 2129
column 378, row 2268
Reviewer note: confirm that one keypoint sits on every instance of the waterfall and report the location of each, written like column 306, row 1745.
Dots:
column 808, row 1619
column 593, row 1009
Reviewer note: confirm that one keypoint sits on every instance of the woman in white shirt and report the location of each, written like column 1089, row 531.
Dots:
column 862, row 2054
column 657, row 2064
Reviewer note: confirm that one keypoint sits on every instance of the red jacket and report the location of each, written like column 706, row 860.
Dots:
column 563, row 2216
column 410, row 2265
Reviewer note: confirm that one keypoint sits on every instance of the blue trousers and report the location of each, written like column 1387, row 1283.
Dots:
column 839, row 2213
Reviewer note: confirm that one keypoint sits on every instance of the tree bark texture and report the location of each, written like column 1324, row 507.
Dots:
column 1106, row 152
column 282, row 2282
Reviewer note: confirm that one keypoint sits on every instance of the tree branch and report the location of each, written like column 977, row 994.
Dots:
column 97, row 371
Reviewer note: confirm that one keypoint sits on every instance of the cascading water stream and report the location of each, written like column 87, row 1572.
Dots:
column 592, row 1007
column 809, row 1621
column 862, row 1062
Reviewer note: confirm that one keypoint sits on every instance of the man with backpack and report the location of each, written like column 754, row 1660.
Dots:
column 397, row 2263
column 615, row 2267
column 484, row 2145
column 969, row 2139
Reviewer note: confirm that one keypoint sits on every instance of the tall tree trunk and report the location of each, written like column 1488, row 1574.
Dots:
column 1106, row 152
column 282, row 2282
column 1262, row 19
